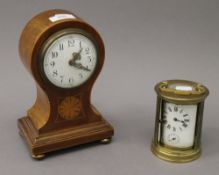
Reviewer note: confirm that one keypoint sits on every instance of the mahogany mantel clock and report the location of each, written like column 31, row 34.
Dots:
column 64, row 55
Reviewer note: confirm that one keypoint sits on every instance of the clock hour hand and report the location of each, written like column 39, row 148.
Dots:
column 181, row 121
column 76, row 57
column 177, row 120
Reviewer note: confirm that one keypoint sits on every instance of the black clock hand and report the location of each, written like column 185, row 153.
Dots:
column 181, row 121
column 77, row 56
column 80, row 66
column 176, row 119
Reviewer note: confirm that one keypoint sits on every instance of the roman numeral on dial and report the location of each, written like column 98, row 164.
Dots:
column 54, row 54
column 61, row 47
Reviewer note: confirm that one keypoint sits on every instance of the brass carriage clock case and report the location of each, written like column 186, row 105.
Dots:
column 177, row 135
column 62, row 115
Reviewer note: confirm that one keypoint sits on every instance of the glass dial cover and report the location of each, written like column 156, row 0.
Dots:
column 69, row 60
column 178, row 124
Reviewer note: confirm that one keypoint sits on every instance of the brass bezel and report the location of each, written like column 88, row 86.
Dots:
column 199, row 93
column 52, row 39
column 197, row 97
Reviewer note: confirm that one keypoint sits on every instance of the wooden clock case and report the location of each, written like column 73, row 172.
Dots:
column 43, row 128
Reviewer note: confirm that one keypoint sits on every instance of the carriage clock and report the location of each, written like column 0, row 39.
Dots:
column 178, row 121
column 64, row 55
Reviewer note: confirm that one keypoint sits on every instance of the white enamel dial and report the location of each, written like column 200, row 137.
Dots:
column 70, row 60
column 178, row 123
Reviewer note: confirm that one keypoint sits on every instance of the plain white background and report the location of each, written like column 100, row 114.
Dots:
column 146, row 42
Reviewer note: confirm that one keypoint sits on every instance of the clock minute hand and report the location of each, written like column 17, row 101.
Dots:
column 80, row 66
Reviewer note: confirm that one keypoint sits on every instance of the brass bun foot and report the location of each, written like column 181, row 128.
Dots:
column 175, row 155
column 38, row 157
column 105, row 141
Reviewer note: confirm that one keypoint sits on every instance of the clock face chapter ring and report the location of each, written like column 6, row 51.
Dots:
column 68, row 58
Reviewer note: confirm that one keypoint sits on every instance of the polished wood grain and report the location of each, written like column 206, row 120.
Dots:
column 44, row 128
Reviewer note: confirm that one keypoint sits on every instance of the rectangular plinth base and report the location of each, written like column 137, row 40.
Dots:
column 39, row 144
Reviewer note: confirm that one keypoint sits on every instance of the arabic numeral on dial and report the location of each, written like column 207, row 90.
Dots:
column 62, row 78
column 87, row 50
column 52, row 63
column 71, row 80
column 55, row 73
column 89, row 58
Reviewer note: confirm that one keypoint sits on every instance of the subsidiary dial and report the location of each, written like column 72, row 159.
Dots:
column 173, row 138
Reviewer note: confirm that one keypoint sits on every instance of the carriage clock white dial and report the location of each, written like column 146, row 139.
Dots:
column 179, row 124
column 69, row 60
